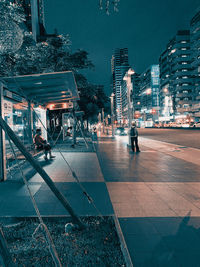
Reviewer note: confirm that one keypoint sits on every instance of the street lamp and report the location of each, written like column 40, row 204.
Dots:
column 129, row 86
column 112, row 115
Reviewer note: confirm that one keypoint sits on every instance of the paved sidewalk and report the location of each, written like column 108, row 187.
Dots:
column 15, row 200
column 155, row 194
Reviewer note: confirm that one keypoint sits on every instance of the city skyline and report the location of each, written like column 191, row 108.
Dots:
column 134, row 27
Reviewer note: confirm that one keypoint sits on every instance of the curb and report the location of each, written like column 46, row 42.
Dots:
column 123, row 243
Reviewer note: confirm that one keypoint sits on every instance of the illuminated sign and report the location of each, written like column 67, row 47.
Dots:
column 155, row 75
column 67, row 105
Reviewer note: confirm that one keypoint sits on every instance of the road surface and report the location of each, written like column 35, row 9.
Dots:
column 183, row 137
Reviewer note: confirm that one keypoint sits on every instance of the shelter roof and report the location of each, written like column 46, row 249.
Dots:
column 45, row 88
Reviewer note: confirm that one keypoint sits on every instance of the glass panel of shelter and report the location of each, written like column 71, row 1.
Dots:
column 16, row 115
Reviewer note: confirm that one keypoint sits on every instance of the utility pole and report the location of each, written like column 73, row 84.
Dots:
column 103, row 121
column 112, row 112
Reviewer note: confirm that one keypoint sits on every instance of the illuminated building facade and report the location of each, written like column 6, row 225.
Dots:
column 176, row 77
column 195, row 48
column 119, row 67
column 149, row 93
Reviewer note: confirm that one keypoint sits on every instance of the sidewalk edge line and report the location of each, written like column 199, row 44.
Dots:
column 123, row 245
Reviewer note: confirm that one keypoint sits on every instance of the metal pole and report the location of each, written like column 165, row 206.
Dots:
column 2, row 140
column 112, row 115
column 41, row 171
column 129, row 105
column 30, row 123
column 103, row 121
column 74, row 129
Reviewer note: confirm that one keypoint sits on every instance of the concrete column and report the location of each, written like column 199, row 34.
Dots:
column 2, row 140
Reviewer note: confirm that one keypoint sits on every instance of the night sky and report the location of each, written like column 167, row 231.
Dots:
column 143, row 26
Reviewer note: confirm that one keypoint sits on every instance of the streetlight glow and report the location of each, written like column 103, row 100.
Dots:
column 131, row 72
column 148, row 91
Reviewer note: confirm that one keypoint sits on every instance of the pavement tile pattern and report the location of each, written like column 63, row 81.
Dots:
column 155, row 194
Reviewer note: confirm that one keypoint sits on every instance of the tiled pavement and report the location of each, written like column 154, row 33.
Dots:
column 155, row 195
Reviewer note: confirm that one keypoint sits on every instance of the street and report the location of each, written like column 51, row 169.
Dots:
column 155, row 194
column 184, row 137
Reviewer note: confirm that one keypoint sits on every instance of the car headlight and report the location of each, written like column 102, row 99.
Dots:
column 125, row 132
column 118, row 131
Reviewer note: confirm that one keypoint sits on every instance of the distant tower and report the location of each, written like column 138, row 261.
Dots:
column 119, row 65
column 34, row 13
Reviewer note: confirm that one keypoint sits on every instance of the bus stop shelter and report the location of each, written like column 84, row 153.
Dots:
column 20, row 94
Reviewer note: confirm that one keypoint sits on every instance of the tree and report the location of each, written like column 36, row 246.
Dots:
column 11, row 30
column 92, row 98
column 51, row 55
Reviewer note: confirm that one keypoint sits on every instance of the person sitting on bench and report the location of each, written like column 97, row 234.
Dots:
column 41, row 144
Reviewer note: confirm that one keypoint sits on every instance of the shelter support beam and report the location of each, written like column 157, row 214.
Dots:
column 2, row 140
column 30, row 123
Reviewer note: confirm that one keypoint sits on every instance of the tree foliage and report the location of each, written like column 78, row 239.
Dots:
column 51, row 55
column 92, row 98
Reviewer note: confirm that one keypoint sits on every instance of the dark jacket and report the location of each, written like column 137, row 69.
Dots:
column 133, row 132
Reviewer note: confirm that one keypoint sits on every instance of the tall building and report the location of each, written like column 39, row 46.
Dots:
column 120, row 65
column 149, row 93
column 134, row 97
column 135, row 78
column 176, row 77
column 195, row 48
column 34, row 14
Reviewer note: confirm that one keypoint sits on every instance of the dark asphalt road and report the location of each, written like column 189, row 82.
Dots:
column 184, row 137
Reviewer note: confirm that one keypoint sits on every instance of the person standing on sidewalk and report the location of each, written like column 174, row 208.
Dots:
column 134, row 137
column 94, row 134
